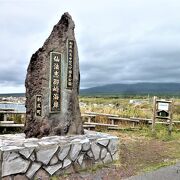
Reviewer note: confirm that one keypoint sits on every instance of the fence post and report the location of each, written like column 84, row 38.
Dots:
column 171, row 114
column 154, row 114
column 5, row 117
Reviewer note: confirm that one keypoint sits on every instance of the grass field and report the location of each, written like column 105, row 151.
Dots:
column 140, row 106
column 140, row 150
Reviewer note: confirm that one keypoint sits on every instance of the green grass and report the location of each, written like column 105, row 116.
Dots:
column 123, row 108
column 140, row 150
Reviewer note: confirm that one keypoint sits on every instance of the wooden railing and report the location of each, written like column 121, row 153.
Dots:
column 89, row 124
column 115, row 119
column 5, row 123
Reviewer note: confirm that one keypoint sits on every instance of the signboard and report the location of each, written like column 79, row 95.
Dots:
column 163, row 114
column 38, row 105
column 55, row 82
column 162, row 109
column 163, row 106
column 70, row 68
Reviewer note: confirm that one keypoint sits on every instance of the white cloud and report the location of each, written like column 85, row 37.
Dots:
column 119, row 40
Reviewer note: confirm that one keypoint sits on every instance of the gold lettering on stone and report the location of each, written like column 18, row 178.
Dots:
column 38, row 105
column 55, row 82
column 70, row 69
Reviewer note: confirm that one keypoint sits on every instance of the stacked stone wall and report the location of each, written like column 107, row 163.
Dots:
column 55, row 155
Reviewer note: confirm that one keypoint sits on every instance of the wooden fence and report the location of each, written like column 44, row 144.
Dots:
column 88, row 123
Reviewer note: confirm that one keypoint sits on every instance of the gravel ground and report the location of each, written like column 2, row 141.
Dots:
column 136, row 155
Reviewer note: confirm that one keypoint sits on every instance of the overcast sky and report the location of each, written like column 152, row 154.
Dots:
column 119, row 41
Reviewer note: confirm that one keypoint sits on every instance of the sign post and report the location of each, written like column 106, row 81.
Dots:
column 154, row 114
column 162, row 109
column 171, row 116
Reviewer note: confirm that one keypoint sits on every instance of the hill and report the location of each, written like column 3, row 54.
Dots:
column 172, row 89
column 13, row 95
column 132, row 89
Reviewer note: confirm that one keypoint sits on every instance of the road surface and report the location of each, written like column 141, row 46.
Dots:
column 165, row 173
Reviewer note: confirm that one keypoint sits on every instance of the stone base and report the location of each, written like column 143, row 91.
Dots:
column 33, row 158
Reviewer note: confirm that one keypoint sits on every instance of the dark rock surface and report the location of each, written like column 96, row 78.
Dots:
column 68, row 119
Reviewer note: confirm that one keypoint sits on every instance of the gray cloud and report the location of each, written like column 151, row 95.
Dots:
column 120, row 41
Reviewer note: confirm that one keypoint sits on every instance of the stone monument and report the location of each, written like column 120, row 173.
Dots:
column 52, row 85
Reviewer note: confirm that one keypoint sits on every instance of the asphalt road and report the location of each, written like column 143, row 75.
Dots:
column 165, row 173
